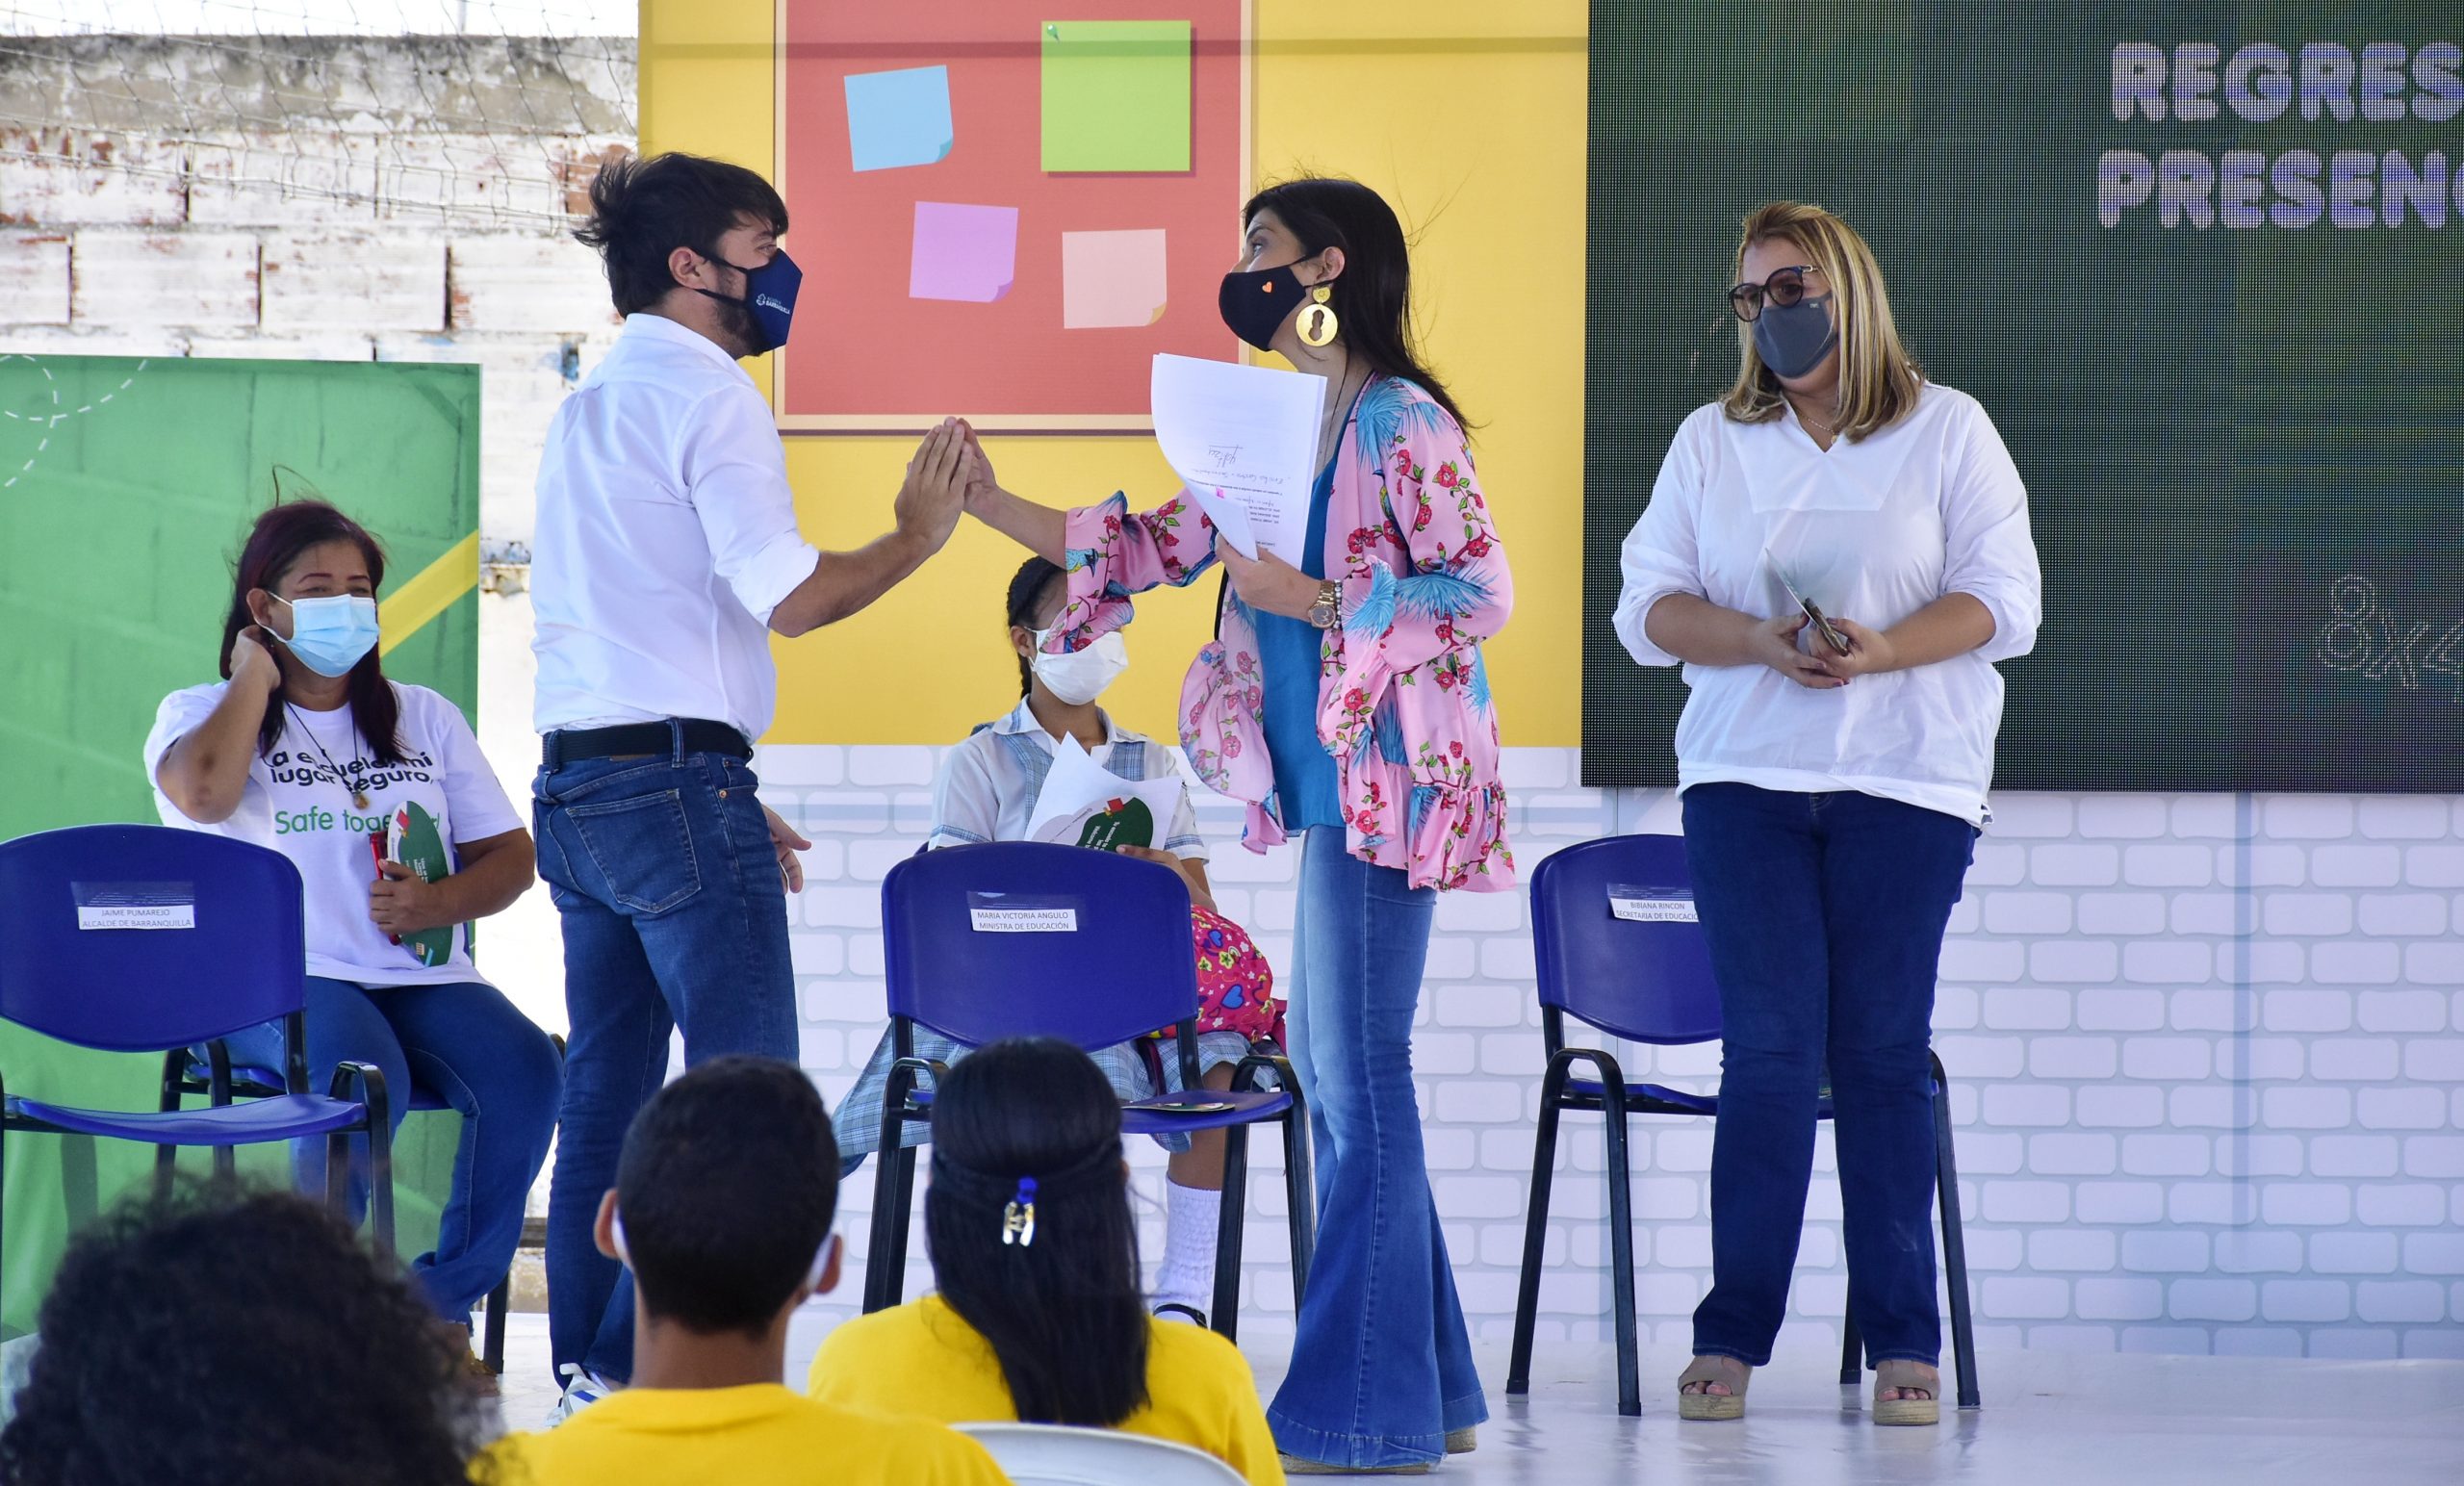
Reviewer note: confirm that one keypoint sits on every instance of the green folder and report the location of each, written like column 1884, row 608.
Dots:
column 411, row 839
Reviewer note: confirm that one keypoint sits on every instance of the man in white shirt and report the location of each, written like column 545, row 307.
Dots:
column 666, row 554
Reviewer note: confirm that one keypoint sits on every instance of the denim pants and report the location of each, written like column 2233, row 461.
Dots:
column 1381, row 1365
column 477, row 1051
column 675, row 916
column 1824, row 914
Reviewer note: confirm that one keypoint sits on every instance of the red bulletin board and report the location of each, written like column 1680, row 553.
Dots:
column 870, row 355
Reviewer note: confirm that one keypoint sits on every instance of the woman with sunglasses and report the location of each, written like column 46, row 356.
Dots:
column 1832, row 769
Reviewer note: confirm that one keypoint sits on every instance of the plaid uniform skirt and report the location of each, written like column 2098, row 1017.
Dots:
column 858, row 1120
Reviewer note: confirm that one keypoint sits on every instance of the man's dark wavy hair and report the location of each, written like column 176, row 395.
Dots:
column 225, row 1336
column 643, row 209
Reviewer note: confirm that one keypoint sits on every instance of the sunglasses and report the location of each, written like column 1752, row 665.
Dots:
column 1784, row 287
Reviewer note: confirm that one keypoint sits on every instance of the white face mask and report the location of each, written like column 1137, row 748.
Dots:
column 1081, row 675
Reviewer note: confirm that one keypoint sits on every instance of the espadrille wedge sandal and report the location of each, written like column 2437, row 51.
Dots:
column 1727, row 1372
column 1898, row 1375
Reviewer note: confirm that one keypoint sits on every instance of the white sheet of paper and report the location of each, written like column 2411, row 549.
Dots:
column 1077, row 786
column 1245, row 441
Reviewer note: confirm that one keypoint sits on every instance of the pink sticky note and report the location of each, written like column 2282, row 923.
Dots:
column 964, row 252
column 1112, row 279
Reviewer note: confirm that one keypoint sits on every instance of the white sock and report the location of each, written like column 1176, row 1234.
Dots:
column 1187, row 1274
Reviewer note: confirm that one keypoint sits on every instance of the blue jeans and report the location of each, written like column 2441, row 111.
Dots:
column 477, row 1051
column 675, row 916
column 1381, row 1366
column 1824, row 914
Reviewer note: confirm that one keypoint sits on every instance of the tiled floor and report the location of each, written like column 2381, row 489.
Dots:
column 2051, row 1419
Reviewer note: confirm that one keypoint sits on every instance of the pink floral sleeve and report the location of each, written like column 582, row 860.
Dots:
column 1459, row 592
column 1113, row 554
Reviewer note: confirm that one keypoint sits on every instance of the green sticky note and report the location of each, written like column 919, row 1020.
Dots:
column 1116, row 95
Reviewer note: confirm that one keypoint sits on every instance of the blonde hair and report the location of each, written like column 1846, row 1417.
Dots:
column 1878, row 379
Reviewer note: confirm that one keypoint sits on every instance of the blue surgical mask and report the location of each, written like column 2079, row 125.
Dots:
column 770, row 296
column 330, row 635
column 1793, row 339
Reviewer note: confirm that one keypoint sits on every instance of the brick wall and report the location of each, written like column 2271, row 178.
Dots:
column 320, row 198
column 2207, row 1052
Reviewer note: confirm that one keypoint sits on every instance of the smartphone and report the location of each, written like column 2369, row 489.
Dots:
column 1829, row 632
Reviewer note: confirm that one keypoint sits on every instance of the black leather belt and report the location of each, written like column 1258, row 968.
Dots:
column 681, row 734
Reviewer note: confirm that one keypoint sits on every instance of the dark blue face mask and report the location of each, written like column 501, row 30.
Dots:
column 769, row 297
column 1793, row 339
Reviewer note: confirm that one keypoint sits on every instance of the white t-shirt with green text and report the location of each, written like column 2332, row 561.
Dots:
column 297, row 803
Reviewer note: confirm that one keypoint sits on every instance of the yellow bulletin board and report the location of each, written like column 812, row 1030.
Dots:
column 1466, row 114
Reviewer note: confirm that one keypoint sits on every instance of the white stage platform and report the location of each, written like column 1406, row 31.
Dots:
column 2050, row 1419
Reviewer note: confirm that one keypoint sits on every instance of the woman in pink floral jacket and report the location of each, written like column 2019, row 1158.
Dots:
column 1346, row 701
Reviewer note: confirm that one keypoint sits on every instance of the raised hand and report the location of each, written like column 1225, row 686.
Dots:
column 252, row 664
column 929, row 501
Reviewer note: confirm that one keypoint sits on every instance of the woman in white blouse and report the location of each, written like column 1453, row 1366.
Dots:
column 1837, row 552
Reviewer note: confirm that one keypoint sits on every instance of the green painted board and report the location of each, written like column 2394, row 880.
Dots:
column 126, row 487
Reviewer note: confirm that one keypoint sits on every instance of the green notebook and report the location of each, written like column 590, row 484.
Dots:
column 411, row 839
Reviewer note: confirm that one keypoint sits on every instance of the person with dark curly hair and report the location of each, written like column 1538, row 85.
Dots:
column 219, row 1337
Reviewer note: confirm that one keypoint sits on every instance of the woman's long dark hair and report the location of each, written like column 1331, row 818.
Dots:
column 1065, row 1315
column 275, row 544
column 1026, row 595
column 1372, row 296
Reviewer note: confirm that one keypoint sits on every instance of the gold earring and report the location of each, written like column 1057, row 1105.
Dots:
column 1317, row 323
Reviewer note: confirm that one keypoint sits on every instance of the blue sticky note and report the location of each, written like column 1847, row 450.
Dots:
column 899, row 119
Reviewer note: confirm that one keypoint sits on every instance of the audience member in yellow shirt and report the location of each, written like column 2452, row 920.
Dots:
column 721, row 1209
column 1038, row 1316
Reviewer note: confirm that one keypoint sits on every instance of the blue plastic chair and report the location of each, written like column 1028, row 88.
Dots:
column 1649, row 980
column 237, row 961
column 1121, row 969
column 215, row 1077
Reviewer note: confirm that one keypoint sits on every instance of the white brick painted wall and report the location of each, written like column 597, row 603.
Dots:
column 2191, row 1116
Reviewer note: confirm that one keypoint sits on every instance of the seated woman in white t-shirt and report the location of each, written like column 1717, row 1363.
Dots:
column 986, row 791
column 308, row 749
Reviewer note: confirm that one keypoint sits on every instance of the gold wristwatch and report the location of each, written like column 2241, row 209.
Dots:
column 1328, row 610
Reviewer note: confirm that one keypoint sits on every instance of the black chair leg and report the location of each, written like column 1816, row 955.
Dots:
column 166, row 1158
column 889, row 1211
column 1621, row 1256
column 1852, row 1347
column 492, row 1326
column 338, row 1173
column 1946, row 1181
column 1230, row 1230
column 380, row 1157
column 1535, row 1235
column 1299, row 1192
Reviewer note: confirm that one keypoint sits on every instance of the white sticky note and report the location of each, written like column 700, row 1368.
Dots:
column 1112, row 280
column 1653, row 910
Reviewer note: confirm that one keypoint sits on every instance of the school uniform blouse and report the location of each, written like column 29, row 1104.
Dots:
column 1872, row 530
column 987, row 784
